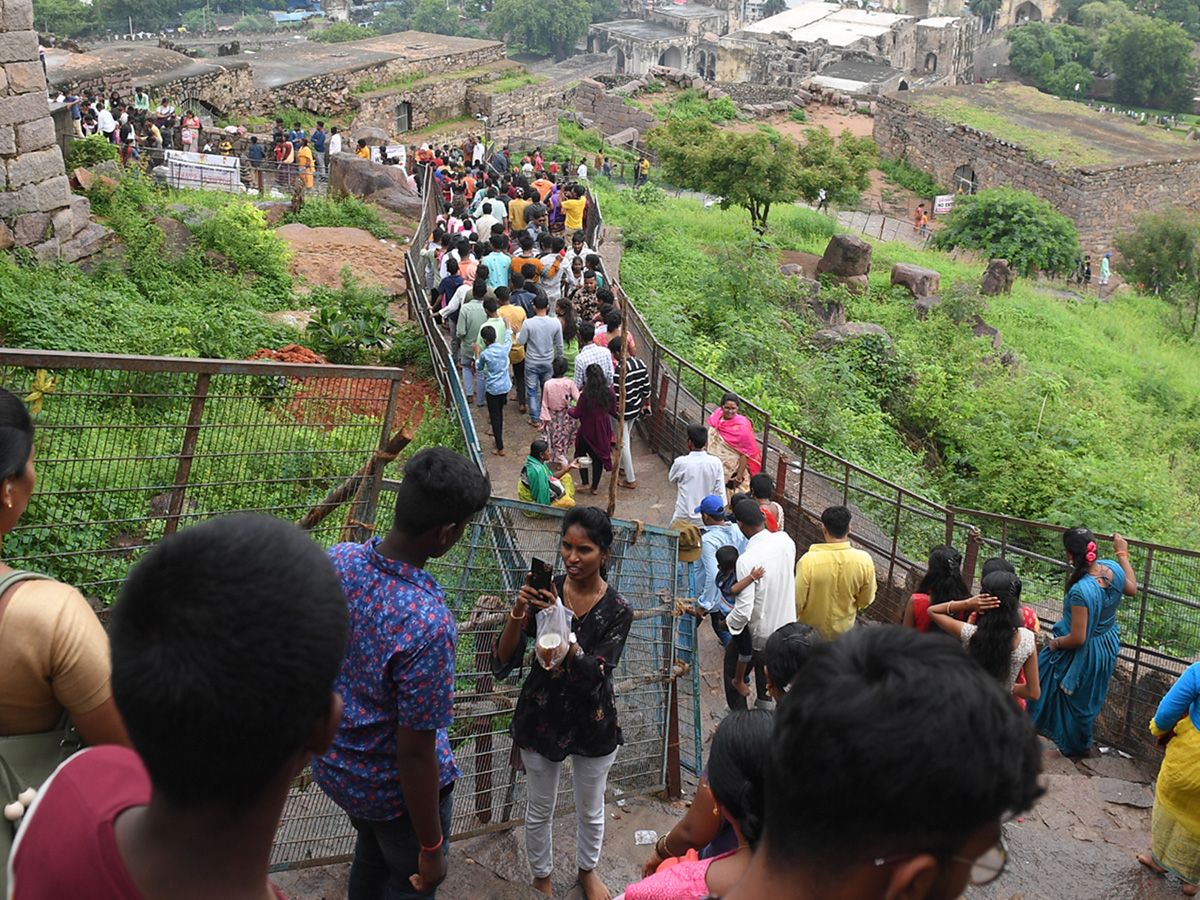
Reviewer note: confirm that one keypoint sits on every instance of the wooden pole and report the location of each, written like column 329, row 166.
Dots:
column 622, row 390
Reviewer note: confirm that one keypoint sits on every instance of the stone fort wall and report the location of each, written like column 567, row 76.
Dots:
column 1101, row 200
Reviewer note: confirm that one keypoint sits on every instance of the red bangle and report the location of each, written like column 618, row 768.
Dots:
column 436, row 846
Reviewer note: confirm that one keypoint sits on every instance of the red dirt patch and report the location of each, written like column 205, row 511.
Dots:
column 329, row 401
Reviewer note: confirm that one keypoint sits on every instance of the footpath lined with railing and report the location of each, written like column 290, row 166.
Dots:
column 1160, row 626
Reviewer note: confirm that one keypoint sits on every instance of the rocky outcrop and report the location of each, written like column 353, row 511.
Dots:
column 352, row 176
column 846, row 256
column 998, row 279
column 828, row 338
column 917, row 280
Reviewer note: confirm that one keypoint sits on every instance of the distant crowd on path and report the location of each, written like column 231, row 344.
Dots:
column 202, row 708
column 528, row 304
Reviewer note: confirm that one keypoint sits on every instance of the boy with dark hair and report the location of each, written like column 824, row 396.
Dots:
column 390, row 767
column 834, row 580
column 696, row 475
column 225, row 643
column 940, row 755
column 492, row 367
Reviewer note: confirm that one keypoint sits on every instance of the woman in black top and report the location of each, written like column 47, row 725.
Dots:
column 570, row 710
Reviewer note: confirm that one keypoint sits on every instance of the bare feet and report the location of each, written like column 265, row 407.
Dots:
column 497, row 453
column 1149, row 862
column 543, row 885
column 488, row 432
column 632, row 485
column 593, row 887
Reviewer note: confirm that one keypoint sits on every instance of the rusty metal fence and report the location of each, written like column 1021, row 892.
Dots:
column 129, row 449
column 1160, row 626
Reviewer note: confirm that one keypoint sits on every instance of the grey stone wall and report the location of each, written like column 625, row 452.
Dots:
column 1100, row 200
column 608, row 112
column 36, row 206
column 526, row 115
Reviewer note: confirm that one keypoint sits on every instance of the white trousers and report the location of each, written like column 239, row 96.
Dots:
column 590, row 779
column 627, row 452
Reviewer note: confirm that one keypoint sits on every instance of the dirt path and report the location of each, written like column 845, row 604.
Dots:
column 321, row 253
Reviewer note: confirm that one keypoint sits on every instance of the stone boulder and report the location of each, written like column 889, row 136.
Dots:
column 375, row 137
column 89, row 241
column 792, row 269
column 30, row 228
column 922, row 305
column 855, row 284
column 403, row 202
column 998, row 279
column 828, row 338
column 351, row 176
column 982, row 329
column 177, row 240
column 830, row 313
column 846, row 255
column 919, row 281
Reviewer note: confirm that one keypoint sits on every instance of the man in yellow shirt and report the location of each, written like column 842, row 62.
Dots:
column 833, row 580
column 574, row 210
column 516, row 211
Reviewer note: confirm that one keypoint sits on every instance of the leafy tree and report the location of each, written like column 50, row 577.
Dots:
column 394, row 17
column 543, row 27
column 68, row 18
column 251, row 24
column 199, row 20
column 757, row 170
column 435, row 17
column 1162, row 248
column 1152, row 60
column 775, row 7
column 1099, row 15
column 605, row 10
column 985, row 9
column 1027, row 45
column 1014, row 225
column 337, row 32
column 1062, row 82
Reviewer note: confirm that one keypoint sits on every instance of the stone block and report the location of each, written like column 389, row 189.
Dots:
column 24, row 77
column 35, row 167
column 846, row 255
column 35, row 135
column 90, row 240
column 18, row 16
column 81, row 209
column 6, row 237
column 8, row 140
column 18, row 46
column 47, row 252
column 919, row 281
column 30, row 228
column 23, row 107
column 827, row 338
column 51, row 194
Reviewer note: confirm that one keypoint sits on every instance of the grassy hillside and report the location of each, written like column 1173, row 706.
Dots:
column 1092, row 417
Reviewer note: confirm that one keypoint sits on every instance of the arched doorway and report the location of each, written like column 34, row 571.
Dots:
column 931, row 63
column 620, row 55
column 672, row 58
column 1027, row 12
column 903, row 85
column 964, row 180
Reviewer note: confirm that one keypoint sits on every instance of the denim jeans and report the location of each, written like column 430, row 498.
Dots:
column 536, row 375
column 387, row 853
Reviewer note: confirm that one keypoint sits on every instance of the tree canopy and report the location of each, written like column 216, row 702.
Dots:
column 69, row 18
column 1014, row 225
column 435, row 17
column 759, row 169
column 1151, row 59
column 553, row 27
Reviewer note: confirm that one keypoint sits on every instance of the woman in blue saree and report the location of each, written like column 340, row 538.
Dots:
column 1079, row 660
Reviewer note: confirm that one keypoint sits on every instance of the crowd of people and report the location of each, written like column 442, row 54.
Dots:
column 200, row 708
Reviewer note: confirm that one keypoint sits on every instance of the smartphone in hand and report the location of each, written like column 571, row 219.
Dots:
column 539, row 574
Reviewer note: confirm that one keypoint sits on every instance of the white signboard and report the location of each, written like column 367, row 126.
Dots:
column 397, row 152
column 942, row 204
column 203, row 170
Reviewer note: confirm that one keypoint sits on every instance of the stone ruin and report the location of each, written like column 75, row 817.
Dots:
column 37, row 209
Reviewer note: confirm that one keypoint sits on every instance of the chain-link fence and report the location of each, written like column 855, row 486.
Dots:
column 480, row 576
column 128, row 449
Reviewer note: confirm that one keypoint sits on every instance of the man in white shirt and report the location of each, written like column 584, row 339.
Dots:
column 582, row 171
column 766, row 604
column 483, row 225
column 594, row 353
column 554, row 266
column 696, row 475
column 335, row 142
column 578, row 248
column 108, row 125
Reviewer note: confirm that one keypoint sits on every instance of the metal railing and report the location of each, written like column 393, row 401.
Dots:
column 130, row 449
column 479, row 576
column 1160, row 627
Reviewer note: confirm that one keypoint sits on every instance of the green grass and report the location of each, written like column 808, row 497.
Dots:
column 399, row 83
column 901, row 174
column 511, row 83
column 1096, row 421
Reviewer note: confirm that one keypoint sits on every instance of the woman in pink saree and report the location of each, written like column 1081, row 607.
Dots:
column 731, row 439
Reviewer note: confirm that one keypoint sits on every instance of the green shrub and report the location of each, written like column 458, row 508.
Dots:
column 90, row 151
column 349, row 212
column 798, row 115
column 1014, row 225
column 349, row 322
column 239, row 231
column 337, row 32
column 409, row 349
column 900, row 173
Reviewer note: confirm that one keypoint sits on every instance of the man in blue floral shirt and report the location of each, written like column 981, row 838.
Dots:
column 390, row 766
